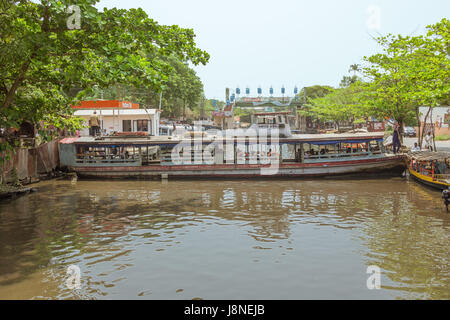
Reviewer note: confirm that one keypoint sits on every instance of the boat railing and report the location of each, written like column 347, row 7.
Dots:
column 271, row 125
column 108, row 159
column 423, row 171
column 442, row 176
column 342, row 155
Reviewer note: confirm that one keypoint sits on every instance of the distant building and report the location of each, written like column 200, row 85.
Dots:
column 439, row 116
column 119, row 116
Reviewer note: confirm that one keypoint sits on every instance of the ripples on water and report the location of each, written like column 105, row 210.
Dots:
column 290, row 239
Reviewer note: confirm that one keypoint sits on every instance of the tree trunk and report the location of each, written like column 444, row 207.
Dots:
column 424, row 123
column 434, row 141
column 419, row 141
column 17, row 82
column 400, row 130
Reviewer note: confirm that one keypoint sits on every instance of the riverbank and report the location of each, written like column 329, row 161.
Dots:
column 11, row 191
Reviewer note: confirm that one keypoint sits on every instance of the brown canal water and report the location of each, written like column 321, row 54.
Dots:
column 274, row 239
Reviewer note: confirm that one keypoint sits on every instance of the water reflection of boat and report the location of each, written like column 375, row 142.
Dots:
column 430, row 168
column 229, row 156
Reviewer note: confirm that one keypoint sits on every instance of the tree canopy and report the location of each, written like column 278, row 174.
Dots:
column 411, row 71
column 340, row 105
column 48, row 61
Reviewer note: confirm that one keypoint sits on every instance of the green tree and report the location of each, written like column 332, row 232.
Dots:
column 409, row 73
column 47, row 66
column 340, row 105
column 312, row 92
column 355, row 68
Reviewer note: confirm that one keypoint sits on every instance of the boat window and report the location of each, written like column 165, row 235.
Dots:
column 141, row 125
column 253, row 153
column 126, row 125
column 108, row 154
column 342, row 150
column 288, row 153
column 150, row 154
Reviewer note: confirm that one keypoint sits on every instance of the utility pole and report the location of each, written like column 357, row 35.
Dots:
column 202, row 108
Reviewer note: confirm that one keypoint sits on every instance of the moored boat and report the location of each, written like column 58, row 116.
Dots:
column 430, row 168
column 229, row 156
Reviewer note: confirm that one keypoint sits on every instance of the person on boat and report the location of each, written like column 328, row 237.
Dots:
column 415, row 148
column 439, row 167
column 274, row 155
column 428, row 141
column 414, row 165
column 446, row 197
column 396, row 144
column 95, row 124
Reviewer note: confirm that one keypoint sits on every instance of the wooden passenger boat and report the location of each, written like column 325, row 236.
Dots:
column 430, row 168
column 229, row 156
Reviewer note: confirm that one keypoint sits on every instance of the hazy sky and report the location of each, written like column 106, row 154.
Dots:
column 286, row 42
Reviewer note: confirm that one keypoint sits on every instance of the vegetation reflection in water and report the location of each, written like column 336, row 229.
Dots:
column 287, row 239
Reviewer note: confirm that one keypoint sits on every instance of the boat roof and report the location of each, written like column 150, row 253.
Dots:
column 115, row 112
column 322, row 139
column 429, row 155
column 261, row 114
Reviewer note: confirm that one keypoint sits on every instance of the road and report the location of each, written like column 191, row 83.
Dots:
column 440, row 145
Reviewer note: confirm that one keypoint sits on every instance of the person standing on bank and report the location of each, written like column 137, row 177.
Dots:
column 95, row 124
column 396, row 145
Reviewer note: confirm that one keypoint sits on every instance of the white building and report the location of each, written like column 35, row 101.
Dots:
column 438, row 115
column 122, row 120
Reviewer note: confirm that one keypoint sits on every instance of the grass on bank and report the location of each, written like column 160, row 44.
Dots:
column 442, row 137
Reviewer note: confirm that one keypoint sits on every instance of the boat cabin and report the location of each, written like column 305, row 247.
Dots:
column 267, row 121
column 199, row 148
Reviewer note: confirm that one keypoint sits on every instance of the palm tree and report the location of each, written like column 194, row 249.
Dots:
column 354, row 68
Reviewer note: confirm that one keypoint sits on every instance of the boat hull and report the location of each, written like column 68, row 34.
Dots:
column 428, row 181
column 392, row 165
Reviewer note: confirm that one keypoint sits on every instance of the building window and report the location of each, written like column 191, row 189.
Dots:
column 141, row 125
column 126, row 125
